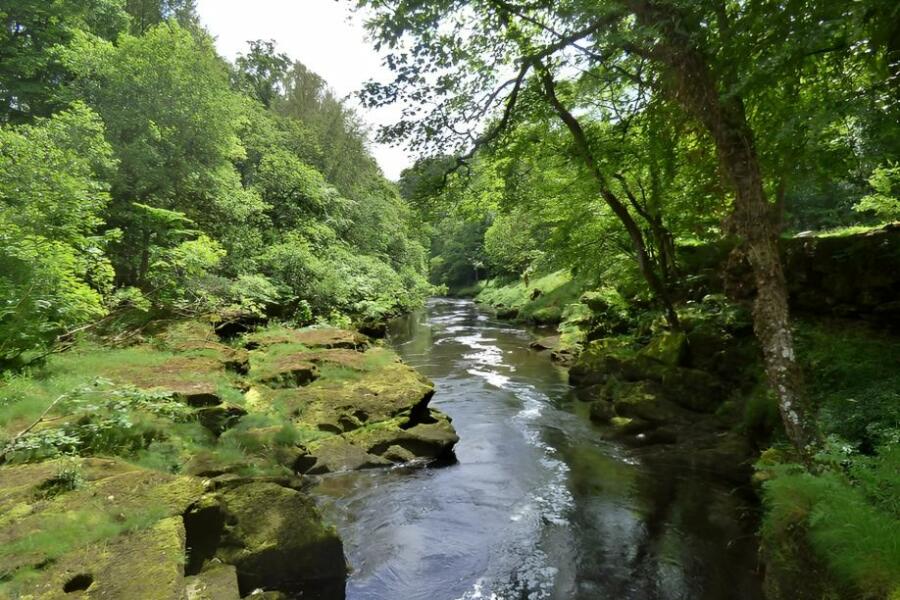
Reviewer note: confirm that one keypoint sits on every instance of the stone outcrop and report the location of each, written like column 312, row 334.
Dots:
column 855, row 275
column 240, row 425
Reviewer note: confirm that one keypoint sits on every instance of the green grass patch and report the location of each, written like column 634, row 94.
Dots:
column 859, row 542
column 854, row 378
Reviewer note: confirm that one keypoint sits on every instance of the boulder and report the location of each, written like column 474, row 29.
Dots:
column 668, row 347
column 507, row 312
column 643, row 400
column 545, row 343
column 694, row 389
column 382, row 444
column 602, row 411
column 276, row 539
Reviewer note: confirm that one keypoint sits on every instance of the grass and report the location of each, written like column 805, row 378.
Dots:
column 853, row 375
column 846, row 516
column 858, row 542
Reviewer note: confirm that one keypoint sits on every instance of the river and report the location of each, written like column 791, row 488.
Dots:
column 538, row 506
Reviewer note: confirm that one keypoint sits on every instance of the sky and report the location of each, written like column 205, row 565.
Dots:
column 321, row 35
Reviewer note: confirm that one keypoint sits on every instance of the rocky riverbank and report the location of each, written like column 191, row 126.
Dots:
column 177, row 467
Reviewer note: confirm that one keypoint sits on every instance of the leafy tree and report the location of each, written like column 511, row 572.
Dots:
column 147, row 13
column 884, row 202
column 172, row 120
column 52, row 266
column 32, row 34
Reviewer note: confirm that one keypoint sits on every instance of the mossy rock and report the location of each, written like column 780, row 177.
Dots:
column 630, row 425
column 549, row 342
column 109, row 499
column 645, row 401
column 602, row 411
column 339, row 405
column 217, row 582
column 668, row 347
column 694, row 389
column 310, row 337
column 285, row 372
column 276, row 539
column 193, row 379
column 508, row 313
column 383, row 444
column 147, row 563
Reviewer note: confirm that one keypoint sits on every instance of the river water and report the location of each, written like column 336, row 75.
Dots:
column 539, row 506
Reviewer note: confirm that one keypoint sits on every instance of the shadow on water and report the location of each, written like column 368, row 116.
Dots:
column 539, row 506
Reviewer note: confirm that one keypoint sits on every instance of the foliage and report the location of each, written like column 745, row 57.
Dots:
column 884, row 202
column 51, row 202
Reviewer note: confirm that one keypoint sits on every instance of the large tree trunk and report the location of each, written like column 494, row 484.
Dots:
column 725, row 119
column 645, row 262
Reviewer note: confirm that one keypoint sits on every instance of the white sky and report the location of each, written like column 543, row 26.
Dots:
column 318, row 33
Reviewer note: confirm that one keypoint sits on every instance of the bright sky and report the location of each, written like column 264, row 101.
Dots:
column 318, row 33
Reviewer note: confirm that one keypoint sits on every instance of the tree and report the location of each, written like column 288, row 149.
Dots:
column 147, row 13
column 173, row 121
column 261, row 72
column 53, row 272
column 32, row 34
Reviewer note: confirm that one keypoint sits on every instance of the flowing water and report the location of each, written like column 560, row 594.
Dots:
column 539, row 506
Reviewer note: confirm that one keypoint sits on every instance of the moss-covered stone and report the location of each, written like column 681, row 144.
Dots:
column 668, row 347
column 383, row 443
column 217, row 582
column 276, row 539
column 107, row 499
column 644, row 400
column 310, row 337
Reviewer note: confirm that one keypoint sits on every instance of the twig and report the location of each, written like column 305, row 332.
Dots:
column 37, row 422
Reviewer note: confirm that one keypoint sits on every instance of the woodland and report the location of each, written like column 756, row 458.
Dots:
column 701, row 198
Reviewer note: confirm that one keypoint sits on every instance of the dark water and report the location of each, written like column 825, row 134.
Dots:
column 539, row 507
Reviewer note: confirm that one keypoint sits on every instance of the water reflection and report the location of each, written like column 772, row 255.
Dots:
column 538, row 507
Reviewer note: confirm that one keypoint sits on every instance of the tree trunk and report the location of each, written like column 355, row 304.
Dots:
column 645, row 262
column 725, row 119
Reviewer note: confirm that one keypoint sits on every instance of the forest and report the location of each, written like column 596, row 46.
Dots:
column 692, row 208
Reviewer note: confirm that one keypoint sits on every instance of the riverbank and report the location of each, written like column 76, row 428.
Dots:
column 698, row 397
column 180, row 464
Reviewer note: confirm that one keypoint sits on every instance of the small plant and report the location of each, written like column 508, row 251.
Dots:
column 69, row 477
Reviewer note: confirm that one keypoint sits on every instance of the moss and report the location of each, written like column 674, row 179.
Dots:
column 144, row 562
column 115, row 499
column 668, row 347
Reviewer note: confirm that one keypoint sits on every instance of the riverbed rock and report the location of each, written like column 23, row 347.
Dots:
column 115, row 531
column 218, row 582
column 507, row 312
column 549, row 342
column 276, row 539
column 382, row 444
column 668, row 347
